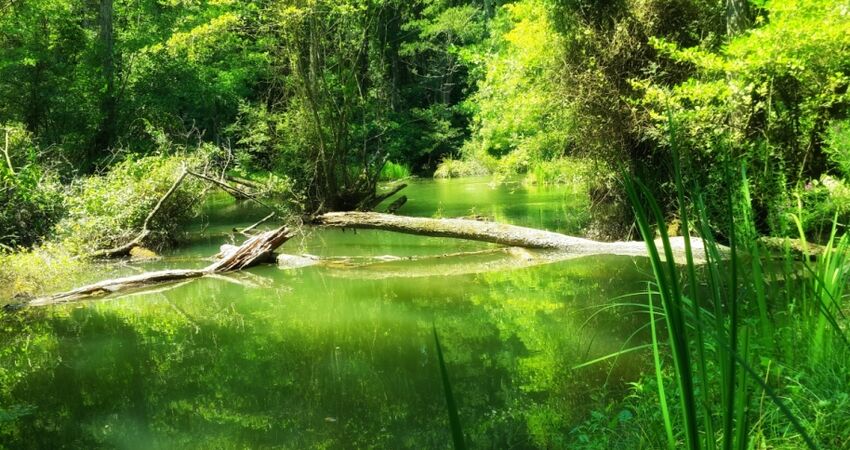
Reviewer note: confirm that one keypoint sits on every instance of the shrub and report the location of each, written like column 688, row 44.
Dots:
column 109, row 210
column 30, row 196
column 38, row 271
column 392, row 171
column 821, row 201
column 838, row 145
column 459, row 168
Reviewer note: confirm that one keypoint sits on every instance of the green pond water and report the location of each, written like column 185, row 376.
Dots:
column 336, row 355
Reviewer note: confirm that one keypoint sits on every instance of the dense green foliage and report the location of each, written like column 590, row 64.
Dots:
column 30, row 195
column 325, row 93
column 310, row 104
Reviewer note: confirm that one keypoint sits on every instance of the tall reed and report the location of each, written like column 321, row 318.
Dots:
column 725, row 319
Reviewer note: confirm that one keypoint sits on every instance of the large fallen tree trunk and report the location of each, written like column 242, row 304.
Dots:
column 255, row 250
column 499, row 233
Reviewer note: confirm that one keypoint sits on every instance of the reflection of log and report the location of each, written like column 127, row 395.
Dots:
column 255, row 250
column 453, row 264
column 497, row 233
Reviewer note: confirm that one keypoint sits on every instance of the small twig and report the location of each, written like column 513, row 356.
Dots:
column 260, row 222
column 231, row 190
column 6, row 152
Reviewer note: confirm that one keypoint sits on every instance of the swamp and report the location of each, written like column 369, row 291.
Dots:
column 447, row 224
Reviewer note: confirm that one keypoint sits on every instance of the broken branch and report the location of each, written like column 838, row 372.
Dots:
column 255, row 250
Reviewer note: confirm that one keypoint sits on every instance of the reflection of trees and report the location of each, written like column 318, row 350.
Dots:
column 312, row 361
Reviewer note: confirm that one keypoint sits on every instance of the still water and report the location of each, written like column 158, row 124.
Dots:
column 337, row 355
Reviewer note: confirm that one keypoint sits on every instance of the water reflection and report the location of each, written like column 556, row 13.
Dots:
column 308, row 358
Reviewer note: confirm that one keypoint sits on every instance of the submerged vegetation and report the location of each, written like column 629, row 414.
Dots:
column 124, row 124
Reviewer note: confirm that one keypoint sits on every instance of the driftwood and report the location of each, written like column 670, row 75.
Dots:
column 255, row 250
column 499, row 233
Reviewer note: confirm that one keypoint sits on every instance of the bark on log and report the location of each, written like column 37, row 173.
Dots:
column 255, row 250
column 499, row 233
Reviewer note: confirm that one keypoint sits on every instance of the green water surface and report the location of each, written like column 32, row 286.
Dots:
column 335, row 355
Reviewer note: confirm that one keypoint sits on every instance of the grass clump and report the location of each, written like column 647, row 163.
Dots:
column 392, row 172
column 565, row 170
column 460, row 168
column 743, row 345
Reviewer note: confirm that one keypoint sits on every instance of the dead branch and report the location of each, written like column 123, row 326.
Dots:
column 244, row 182
column 260, row 222
column 255, row 250
column 396, row 204
column 6, row 152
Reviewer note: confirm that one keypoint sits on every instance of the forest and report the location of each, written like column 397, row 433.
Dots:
column 599, row 224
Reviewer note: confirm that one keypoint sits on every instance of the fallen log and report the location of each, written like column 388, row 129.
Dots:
column 499, row 233
column 234, row 192
column 255, row 250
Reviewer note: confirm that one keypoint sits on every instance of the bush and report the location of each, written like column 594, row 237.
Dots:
column 30, row 196
column 109, row 210
column 392, row 171
column 838, row 145
column 459, row 168
column 38, row 271
column 764, row 99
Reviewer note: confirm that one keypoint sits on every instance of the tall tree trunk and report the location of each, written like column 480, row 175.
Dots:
column 737, row 17
column 106, row 134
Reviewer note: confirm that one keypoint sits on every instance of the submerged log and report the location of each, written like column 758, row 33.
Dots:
column 396, row 204
column 371, row 202
column 499, row 233
column 255, row 250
